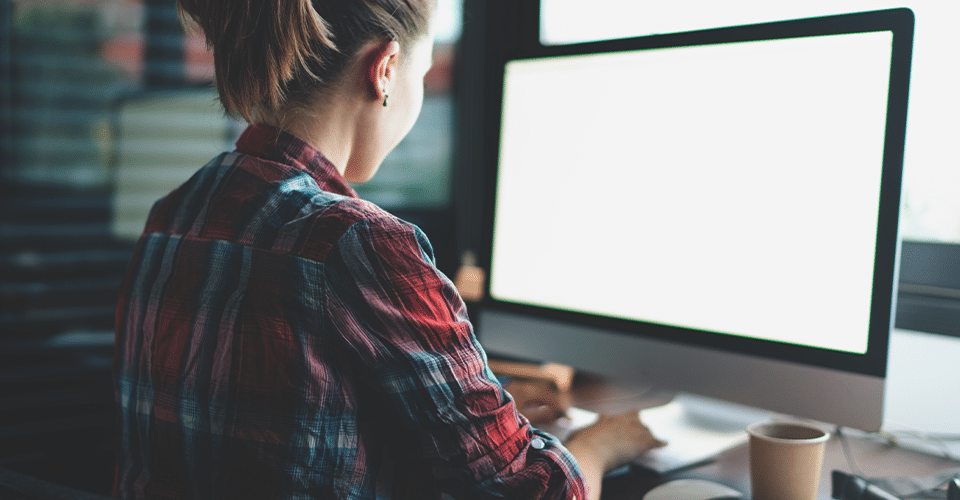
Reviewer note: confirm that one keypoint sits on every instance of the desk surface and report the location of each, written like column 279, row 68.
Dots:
column 911, row 382
column 875, row 459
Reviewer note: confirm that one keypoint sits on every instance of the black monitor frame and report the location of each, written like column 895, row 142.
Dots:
column 873, row 363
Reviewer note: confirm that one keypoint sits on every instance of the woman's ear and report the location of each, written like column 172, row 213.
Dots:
column 383, row 71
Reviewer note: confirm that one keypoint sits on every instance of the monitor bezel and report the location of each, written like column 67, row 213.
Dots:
column 900, row 23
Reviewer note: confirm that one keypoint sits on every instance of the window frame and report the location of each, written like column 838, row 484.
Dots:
column 928, row 299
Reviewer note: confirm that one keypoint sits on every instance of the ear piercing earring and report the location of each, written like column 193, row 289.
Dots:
column 385, row 96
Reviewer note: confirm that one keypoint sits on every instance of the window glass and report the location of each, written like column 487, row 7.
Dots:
column 931, row 205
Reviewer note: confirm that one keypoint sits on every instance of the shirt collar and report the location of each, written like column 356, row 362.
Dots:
column 275, row 145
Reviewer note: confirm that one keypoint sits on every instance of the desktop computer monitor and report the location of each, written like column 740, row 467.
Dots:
column 713, row 212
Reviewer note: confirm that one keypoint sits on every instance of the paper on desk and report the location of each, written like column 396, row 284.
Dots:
column 689, row 442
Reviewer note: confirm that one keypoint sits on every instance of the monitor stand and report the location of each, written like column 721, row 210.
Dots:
column 697, row 430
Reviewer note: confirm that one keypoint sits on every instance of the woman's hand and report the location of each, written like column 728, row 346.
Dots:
column 616, row 439
column 613, row 441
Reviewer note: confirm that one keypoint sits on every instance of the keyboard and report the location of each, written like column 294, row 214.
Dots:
column 696, row 429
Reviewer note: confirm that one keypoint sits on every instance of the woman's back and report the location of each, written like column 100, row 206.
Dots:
column 279, row 338
column 227, row 378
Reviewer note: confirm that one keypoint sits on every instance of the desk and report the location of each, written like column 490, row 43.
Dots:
column 732, row 468
column 876, row 459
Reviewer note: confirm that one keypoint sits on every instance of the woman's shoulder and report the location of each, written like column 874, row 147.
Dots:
column 352, row 211
column 336, row 218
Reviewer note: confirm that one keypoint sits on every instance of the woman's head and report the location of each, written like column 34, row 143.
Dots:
column 273, row 56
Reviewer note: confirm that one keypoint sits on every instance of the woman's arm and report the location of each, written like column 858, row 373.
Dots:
column 407, row 331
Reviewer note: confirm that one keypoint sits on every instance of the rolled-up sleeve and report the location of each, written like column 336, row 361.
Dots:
column 405, row 328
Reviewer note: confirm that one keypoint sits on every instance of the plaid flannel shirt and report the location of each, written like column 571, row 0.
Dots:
column 277, row 337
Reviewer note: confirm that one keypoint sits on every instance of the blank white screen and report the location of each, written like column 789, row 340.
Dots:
column 698, row 186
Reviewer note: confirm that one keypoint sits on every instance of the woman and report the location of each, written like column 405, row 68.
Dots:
column 277, row 337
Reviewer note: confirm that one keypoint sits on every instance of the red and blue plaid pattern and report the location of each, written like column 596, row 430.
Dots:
column 279, row 338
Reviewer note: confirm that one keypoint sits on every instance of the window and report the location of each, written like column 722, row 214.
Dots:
column 108, row 104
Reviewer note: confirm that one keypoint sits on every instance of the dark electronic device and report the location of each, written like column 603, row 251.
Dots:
column 848, row 487
column 701, row 211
